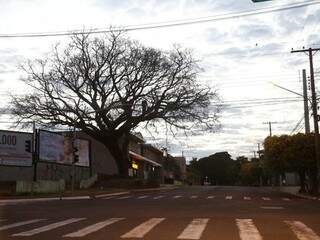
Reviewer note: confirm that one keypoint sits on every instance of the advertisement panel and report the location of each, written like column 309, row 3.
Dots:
column 51, row 146
column 59, row 148
column 15, row 148
column 83, row 151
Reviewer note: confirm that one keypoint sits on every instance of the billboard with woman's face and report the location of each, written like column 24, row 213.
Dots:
column 60, row 148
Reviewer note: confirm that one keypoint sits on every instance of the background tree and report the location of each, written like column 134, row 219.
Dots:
column 219, row 168
column 109, row 85
column 294, row 153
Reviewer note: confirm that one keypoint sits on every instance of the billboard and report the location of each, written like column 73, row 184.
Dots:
column 51, row 146
column 83, row 151
column 15, row 148
column 59, row 148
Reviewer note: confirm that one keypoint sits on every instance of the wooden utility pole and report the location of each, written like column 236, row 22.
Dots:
column 310, row 52
column 305, row 100
column 270, row 127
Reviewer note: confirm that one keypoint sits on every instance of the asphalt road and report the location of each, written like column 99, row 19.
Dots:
column 186, row 213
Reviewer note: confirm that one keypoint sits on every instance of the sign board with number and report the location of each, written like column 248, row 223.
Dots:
column 15, row 148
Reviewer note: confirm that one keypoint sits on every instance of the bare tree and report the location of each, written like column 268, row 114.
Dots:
column 109, row 85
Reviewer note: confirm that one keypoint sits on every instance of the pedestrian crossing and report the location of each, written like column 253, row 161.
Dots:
column 247, row 229
column 209, row 197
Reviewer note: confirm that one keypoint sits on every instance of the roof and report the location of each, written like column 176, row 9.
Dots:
column 140, row 157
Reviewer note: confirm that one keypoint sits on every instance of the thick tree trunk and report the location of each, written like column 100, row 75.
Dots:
column 302, row 176
column 314, row 181
column 118, row 146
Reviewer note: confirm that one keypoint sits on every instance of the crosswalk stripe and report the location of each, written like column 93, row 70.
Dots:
column 194, row 196
column 247, row 198
column 48, row 227
column 229, row 197
column 5, row 227
column 177, row 196
column 210, row 197
column 266, row 199
column 141, row 230
column 195, row 229
column 125, row 197
column 247, row 230
column 158, row 197
column 302, row 231
column 142, row 197
column 93, row 228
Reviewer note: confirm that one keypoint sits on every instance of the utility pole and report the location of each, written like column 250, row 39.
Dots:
column 270, row 127
column 310, row 52
column 259, row 154
column 305, row 100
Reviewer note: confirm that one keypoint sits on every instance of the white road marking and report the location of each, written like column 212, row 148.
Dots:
column 193, row 197
column 48, row 227
column 302, row 231
column 125, row 197
column 106, row 198
column 158, row 197
column 286, row 199
column 210, row 197
column 177, row 196
column 93, row 228
column 228, row 197
column 195, row 229
column 247, row 198
column 5, row 227
column 266, row 199
column 247, row 230
column 141, row 230
column 142, row 197
column 272, row 207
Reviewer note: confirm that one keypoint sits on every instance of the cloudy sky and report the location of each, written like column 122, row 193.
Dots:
column 241, row 57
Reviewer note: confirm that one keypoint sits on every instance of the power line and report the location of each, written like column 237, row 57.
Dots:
column 174, row 23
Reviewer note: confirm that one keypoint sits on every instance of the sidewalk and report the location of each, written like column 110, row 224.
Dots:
column 78, row 195
column 294, row 190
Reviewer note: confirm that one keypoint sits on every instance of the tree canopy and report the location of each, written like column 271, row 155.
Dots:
column 107, row 86
column 294, row 153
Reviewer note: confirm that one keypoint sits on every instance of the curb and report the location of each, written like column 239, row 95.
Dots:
column 303, row 196
column 85, row 197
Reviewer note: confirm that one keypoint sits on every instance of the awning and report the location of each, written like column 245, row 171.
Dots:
column 140, row 157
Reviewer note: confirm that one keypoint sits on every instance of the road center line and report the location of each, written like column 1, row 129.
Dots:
column 272, row 207
column 142, row 197
column 247, row 198
column 141, row 230
column 125, row 197
column 48, row 227
column 93, row 228
column 193, row 197
column 302, row 231
column 247, row 230
column 195, row 229
column 178, row 196
column 266, row 199
column 158, row 197
column 228, row 197
column 210, row 197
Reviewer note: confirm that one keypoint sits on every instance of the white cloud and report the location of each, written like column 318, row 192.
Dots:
column 240, row 56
